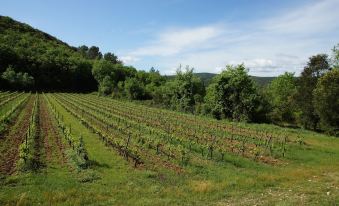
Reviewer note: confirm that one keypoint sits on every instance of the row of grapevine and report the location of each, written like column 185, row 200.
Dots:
column 211, row 140
column 128, row 139
column 75, row 142
column 4, row 95
column 5, row 117
column 193, row 120
column 7, row 99
column 185, row 146
column 26, row 149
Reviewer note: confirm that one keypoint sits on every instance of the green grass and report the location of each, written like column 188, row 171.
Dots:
column 309, row 175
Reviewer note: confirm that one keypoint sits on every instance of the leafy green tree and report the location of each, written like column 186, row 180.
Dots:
column 27, row 80
column 134, row 90
column 187, row 85
column 117, row 74
column 326, row 101
column 83, row 50
column 94, row 53
column 280, row 94
column 162, row 95
column 106, row 86
column 316, row 67
column 233, row 95
column 10, row 75
column 112, row 58
column 17, row 80
column 103, row 68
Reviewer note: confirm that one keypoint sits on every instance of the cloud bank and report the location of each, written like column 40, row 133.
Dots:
column 268, row 47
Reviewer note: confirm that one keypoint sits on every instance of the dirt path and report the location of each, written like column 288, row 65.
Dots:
column 38, row 149
column 9, row 149
column 54, row 148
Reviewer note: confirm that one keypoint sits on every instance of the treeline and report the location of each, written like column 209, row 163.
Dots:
column 309, row 101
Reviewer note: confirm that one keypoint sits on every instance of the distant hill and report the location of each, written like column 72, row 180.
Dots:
column 207, row 77
column 53, row 63
column 262, row 81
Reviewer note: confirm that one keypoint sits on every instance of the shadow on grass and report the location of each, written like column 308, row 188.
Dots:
column 95, row 164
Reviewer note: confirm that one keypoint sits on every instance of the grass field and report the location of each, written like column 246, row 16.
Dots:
column 77, row 149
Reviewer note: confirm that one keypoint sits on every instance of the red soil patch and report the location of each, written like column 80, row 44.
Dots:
column 54, row 147
column 9, row 151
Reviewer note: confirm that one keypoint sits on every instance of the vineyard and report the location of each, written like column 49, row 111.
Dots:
column 119, row 152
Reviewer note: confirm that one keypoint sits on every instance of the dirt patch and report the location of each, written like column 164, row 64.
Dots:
column 9, row 151
column 54, row 148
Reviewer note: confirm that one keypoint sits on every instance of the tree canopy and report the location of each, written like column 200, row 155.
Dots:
column 280, row 93
column 233, row 95
column 326, row 101
column 53, row 64
column 316, row 67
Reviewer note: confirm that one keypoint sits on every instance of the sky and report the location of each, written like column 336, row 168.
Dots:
column 269, row 36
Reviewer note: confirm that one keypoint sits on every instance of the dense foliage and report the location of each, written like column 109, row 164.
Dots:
column 53, row 64
column 233, row 95
column 17, row 80
column 316, row 67
column 326, row 101
column 280, row 93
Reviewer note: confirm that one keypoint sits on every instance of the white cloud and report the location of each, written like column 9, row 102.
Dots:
column 268, row 46
column 129, row 59
column 321, row 16
column 259, row 63
column 174, row 41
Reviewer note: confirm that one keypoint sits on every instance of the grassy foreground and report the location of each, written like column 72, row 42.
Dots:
column 308, row 175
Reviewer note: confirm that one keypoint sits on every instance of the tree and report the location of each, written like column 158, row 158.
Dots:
column 112, row 58
column 17, row 80
column 187, row 86
column 134, row 90
column 106, row 86
column 335, row 56
column 233, row 95
column 27, row 81
column 280, row 92
column 10, row 75
column 317, row 66
column 83, row 50
column 163, row 94
column 326, row 101
column 94, row 53
column 101, row 69
column 117, row 74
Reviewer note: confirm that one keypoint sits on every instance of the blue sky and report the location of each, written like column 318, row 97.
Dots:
column 269, row 36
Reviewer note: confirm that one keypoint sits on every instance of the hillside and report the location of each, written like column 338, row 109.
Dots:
column 52, row 63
